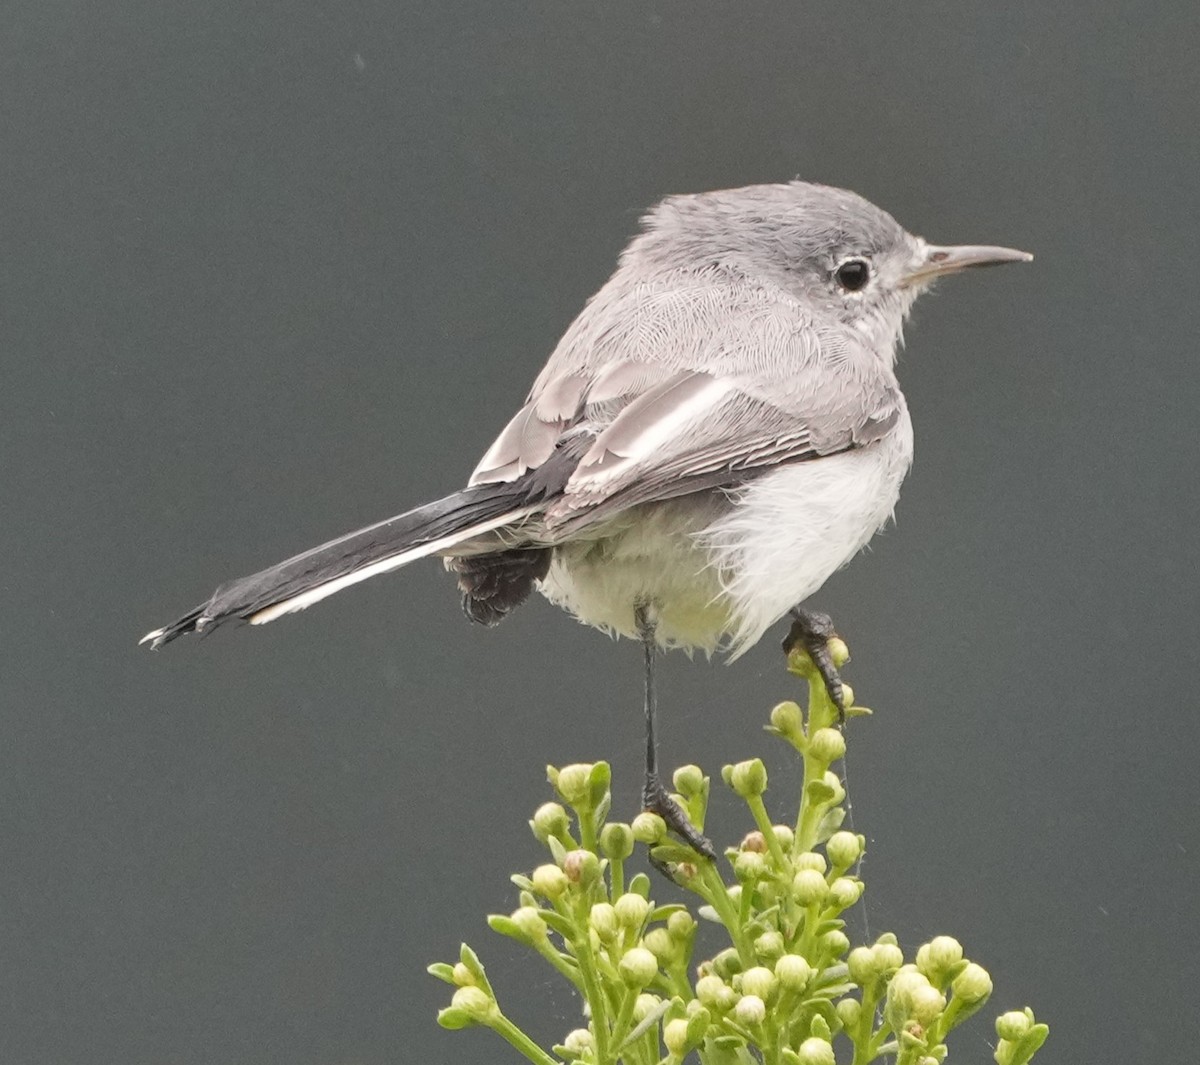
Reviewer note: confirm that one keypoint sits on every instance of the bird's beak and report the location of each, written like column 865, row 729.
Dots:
column 941, row 259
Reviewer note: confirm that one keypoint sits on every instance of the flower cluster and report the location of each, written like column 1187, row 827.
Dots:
column 787, row 990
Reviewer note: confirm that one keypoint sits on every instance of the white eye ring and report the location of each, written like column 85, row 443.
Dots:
column 853, row 274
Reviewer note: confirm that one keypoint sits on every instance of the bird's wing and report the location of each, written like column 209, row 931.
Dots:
column 678, row 398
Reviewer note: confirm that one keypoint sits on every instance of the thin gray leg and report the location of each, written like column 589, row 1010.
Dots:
column 655, row 796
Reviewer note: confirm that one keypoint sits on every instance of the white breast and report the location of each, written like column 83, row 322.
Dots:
column 792, row 529
column 723, row 568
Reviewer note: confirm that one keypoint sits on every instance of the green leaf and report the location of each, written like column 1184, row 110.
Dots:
column 442, row 970
column 818, row 791
column 830, row 823
column 454, row 1019
column 640, row 885
column 661, row 913
column 674, row 852
column 506, row 926
column 1029, row 1044
column 471, row 960
column 558, row 923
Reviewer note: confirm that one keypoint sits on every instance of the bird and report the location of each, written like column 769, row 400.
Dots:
column 718, row 431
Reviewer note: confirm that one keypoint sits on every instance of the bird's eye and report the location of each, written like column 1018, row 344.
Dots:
column 853, row 274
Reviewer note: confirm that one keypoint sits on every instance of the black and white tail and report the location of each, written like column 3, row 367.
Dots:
column 435, row 528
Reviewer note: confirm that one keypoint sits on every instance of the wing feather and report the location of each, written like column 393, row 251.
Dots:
column 673, row 387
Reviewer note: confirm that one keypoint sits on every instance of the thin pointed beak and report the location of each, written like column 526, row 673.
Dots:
column 949, row 259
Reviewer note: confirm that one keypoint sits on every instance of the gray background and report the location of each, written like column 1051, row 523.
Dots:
column 270, row 271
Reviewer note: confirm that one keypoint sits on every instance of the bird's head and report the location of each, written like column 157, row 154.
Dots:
column 848, row 263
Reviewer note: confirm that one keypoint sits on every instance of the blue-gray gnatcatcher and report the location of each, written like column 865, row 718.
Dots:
column 717, row 432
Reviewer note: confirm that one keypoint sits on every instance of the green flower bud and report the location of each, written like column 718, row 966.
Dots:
column 784, row 835
column 945, row 952
column 926, row 1004
column 644, row 1006
column 574, row 783
column 550, row 820
column 750, row 1010
column 688, row 781
column 749, row 778
column 827, row 745
column 530, row 923
column 681, row 925
column 754, row 841
column 898, row 1008
column 474, row 1002
column 849, row 1010
column 616, row 840
column 581, row 867
column 844, row 849
column 862, row 965
column 710, row 990
column 659, row 942
column 579, row 1041
column 549, row 881
column 769, row 946
column 906, row 979
column 649, row 828
column 844, row 892
column 1013, row 1025
column 759, row 981
column 888, row 956
column 847, row 695
column 972, row 985
column 793, row 972
column 809, row 887
column 839, row 653
column 749, row 866
column 815, row 1051
column 603, row 918
column 727, row 964
column 631, row 910
column 835, row 785
column 788, row 719
column 463, row 977
column 810, row 860
column 835, row 943
column 675, row 1036
column 638, row 967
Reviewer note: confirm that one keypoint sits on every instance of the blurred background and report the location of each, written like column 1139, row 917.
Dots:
column 270, row 271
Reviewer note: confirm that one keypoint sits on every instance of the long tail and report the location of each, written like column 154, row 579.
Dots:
column 310, row 577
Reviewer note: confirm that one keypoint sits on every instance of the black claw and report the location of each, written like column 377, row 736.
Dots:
column 657, row 800
column 813, row 631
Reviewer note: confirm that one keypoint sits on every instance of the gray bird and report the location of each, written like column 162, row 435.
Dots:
column 717, row 432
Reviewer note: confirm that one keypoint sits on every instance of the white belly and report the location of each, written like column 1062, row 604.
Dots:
column 720, row 570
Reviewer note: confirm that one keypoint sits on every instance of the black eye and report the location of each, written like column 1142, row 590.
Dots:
column 853, row 274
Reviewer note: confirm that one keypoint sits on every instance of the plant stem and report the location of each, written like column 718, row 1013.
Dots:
column 594, row 994
column 718, row 897
column 518, row 1039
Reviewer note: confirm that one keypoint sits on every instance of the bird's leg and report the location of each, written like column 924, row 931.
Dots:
column 655, row 797
column 813, row 631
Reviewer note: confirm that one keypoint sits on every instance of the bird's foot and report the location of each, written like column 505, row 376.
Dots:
column 657, row 800
column 812, row 631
